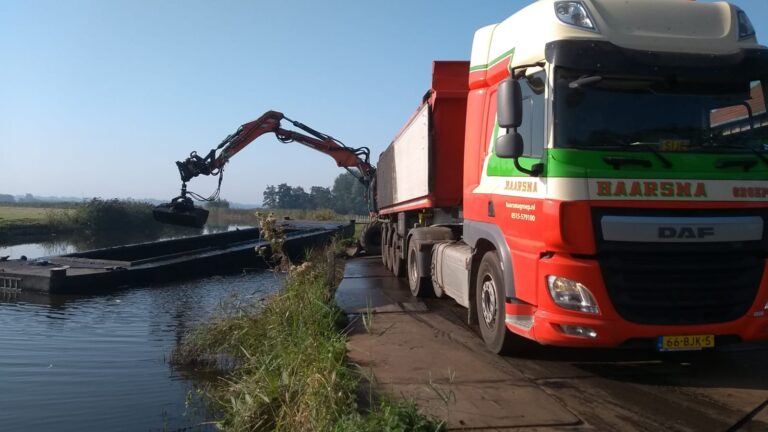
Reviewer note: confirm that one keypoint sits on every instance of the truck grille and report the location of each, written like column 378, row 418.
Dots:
column 681, row 284
column 670, row 289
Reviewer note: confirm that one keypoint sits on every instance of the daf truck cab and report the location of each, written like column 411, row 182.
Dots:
column 615, row 180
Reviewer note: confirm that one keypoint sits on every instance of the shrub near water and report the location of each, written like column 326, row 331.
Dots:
column 98, row 215
column 287, row 365
column 115, row 218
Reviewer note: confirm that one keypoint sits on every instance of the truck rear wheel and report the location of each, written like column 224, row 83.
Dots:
column 398, row 263
column 370, row 238
column 391, row 249
column 420, row 286
column 385, row 245
column 490, row 301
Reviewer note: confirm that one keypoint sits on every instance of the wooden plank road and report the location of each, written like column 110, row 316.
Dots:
column 423, row 350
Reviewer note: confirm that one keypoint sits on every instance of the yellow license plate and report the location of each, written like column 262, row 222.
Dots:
column 685, row 343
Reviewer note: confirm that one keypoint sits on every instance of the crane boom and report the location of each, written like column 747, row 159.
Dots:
column 181, row 210
column 345, row 157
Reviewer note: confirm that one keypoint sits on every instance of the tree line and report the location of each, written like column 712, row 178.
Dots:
column 347, row 196
column 7, row 198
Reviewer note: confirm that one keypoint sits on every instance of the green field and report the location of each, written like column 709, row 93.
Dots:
column 13, row 215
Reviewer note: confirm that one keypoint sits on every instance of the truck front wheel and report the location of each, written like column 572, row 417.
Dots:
column 490, row 301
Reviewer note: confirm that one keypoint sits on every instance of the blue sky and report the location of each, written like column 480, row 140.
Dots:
column 99, row 98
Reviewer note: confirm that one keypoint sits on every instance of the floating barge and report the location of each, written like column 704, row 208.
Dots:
column 116, row 267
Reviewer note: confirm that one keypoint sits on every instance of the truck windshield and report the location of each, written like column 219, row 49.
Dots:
column 659, row 114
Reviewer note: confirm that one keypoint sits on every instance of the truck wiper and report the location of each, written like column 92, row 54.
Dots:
column 760, row 155
column 747, row 164
column 584, row 80
column 618, row 161
column 650, row 147
column 638, row 146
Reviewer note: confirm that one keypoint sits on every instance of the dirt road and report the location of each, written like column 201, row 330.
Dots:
column 425, row 351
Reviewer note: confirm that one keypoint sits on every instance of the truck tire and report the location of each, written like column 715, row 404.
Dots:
column 390, row 248
column 490, row 301
column 390, row 256
column 420, row 286
column 398, row 262
column 385, row 245
column 370, row 238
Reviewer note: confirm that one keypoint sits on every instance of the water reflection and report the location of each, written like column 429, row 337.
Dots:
column 73, row 363
column 213, row 229
column 36, row 250
column 61, row 245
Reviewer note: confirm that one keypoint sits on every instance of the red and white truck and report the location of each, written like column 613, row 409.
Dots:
column 596, row 175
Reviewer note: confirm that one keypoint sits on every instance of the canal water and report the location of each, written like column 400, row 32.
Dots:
column 101, row 363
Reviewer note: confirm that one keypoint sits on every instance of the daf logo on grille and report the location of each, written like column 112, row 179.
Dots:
column 667, row 232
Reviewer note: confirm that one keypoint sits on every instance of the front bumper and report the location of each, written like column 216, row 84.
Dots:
column 611, row 329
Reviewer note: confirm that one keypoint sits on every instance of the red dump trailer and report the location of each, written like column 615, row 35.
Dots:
column 428, row 151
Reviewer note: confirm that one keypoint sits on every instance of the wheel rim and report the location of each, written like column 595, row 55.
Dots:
column 413, row 271
column 488, row 302
column 392, row 252
column 385, row 247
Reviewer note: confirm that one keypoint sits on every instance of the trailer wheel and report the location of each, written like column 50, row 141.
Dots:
column 391, row 249
column 370, row 238
column 420, row 286
column 385, row 245
column 398, row 262
column 489, row 302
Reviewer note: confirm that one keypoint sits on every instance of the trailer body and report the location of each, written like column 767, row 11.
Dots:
column 418, row 170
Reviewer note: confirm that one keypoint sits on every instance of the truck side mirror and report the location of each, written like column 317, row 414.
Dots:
column 509, row 146
column 509, row 104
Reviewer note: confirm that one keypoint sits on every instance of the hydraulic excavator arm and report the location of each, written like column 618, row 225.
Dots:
column 345, row 157
column 181, row 210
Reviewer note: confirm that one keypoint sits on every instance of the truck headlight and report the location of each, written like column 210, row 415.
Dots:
column 571, row 295
column 576, row 14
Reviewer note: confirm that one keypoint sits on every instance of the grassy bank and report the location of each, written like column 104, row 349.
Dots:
column 24, row 224
column 229, row 216
column 99, row 213
column 18, row 215
column 93, row 216
column 286, row 367
column 121, row 219
column 99, row 216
